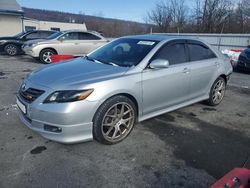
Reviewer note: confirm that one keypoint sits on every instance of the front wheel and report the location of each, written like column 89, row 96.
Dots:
column 45, row 56
column 11, row 49
column 217, row 92
column 114, row 120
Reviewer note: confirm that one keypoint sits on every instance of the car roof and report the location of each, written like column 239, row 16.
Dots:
column 52, row 31
column 159, row 37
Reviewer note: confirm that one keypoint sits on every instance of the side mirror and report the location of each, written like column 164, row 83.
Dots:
column 159, row 64
column 61, row 39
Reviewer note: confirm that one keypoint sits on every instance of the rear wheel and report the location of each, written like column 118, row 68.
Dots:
column 114, row 120
column 45, row 56
column 11, row 49
column 217, row 92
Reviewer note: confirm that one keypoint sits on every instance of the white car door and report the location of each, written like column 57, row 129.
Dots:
column 69, row 44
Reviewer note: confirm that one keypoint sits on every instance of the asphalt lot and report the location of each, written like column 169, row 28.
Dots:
column 190, row 147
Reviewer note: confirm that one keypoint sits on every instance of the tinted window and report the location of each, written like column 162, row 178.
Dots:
column 88, row 36
column 55, row 35
column 30, row 28
column 55, row 28
column 71, row 36
column 199, row 52
column 174, row 53
column 45, row 34
column 34, row 35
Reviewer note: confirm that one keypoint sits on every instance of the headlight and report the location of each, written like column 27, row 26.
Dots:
column 68, row 96
column 33, row 45
column 2, row 41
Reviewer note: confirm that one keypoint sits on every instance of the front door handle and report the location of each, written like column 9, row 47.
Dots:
column 217, row 64
column 186, row 70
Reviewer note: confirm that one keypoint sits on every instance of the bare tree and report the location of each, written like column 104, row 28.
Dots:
column 211, row 14
column 169, row 15
column 179, row 12
column 161, row 16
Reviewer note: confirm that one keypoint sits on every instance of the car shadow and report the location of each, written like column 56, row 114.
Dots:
column 210, row 147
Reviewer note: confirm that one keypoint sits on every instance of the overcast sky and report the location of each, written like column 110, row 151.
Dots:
column 134, row 10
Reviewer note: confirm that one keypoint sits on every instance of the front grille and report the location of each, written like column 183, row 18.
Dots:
column 30, row 94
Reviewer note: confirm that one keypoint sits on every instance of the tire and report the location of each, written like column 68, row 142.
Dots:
column 110, row 125
column 45, row 56
column 11, row 49
column 217, row 92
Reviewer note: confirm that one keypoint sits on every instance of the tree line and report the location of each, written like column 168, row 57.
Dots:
column 171, row 16
column 200, row 16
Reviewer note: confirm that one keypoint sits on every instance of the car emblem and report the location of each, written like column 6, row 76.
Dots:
column 23, row 87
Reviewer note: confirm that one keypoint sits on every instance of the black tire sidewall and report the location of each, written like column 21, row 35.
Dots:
column 44, row 51
column 99, row 115
column 17, row 50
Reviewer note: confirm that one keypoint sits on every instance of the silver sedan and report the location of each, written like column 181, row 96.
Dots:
column 129, row 80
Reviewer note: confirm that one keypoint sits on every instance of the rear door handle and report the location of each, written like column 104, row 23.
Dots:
column 186, row 70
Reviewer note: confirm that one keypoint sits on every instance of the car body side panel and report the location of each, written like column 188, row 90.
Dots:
column 203, row 74
column 163, row 88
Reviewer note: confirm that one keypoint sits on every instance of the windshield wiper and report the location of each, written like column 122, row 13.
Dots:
column 89, row 58
column 110, row 63
column 100, row 61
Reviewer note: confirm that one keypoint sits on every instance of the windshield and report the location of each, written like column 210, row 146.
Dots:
column 123, row 52
column 54, row 35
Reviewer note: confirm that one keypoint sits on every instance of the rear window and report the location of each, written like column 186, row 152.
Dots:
column 199, row 52
column 45, row 34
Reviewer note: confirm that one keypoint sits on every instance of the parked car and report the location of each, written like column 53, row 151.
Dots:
column 244, row 60
column 103, row 94
column 74, row 42
column 12, row 45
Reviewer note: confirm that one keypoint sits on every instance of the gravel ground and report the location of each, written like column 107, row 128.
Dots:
column 190, row 147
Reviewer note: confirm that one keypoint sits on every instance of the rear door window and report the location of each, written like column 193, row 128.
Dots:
column 88, row 36
column 71, row 36
column 45, row 34
column 200, row 52
column 33, row 35
column 175, row 53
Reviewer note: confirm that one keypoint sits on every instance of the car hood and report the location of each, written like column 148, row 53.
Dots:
column 74, row 73
column 35, row 41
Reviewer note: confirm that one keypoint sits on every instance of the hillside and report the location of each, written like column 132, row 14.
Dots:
column 109, row 27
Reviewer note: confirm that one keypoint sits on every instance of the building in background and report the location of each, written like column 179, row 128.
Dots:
column 14, row 21
column 11, row 15
column 32, row 24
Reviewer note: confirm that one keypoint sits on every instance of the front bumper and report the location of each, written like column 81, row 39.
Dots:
column 74, row 120
column 30, row 51
column 70, row 134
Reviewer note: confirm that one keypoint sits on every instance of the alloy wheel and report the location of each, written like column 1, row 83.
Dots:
column 11, row 50
column 118, row 122
column 47, row 57
column 218, row 91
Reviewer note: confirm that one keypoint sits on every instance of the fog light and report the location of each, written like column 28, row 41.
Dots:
column 51, row 128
